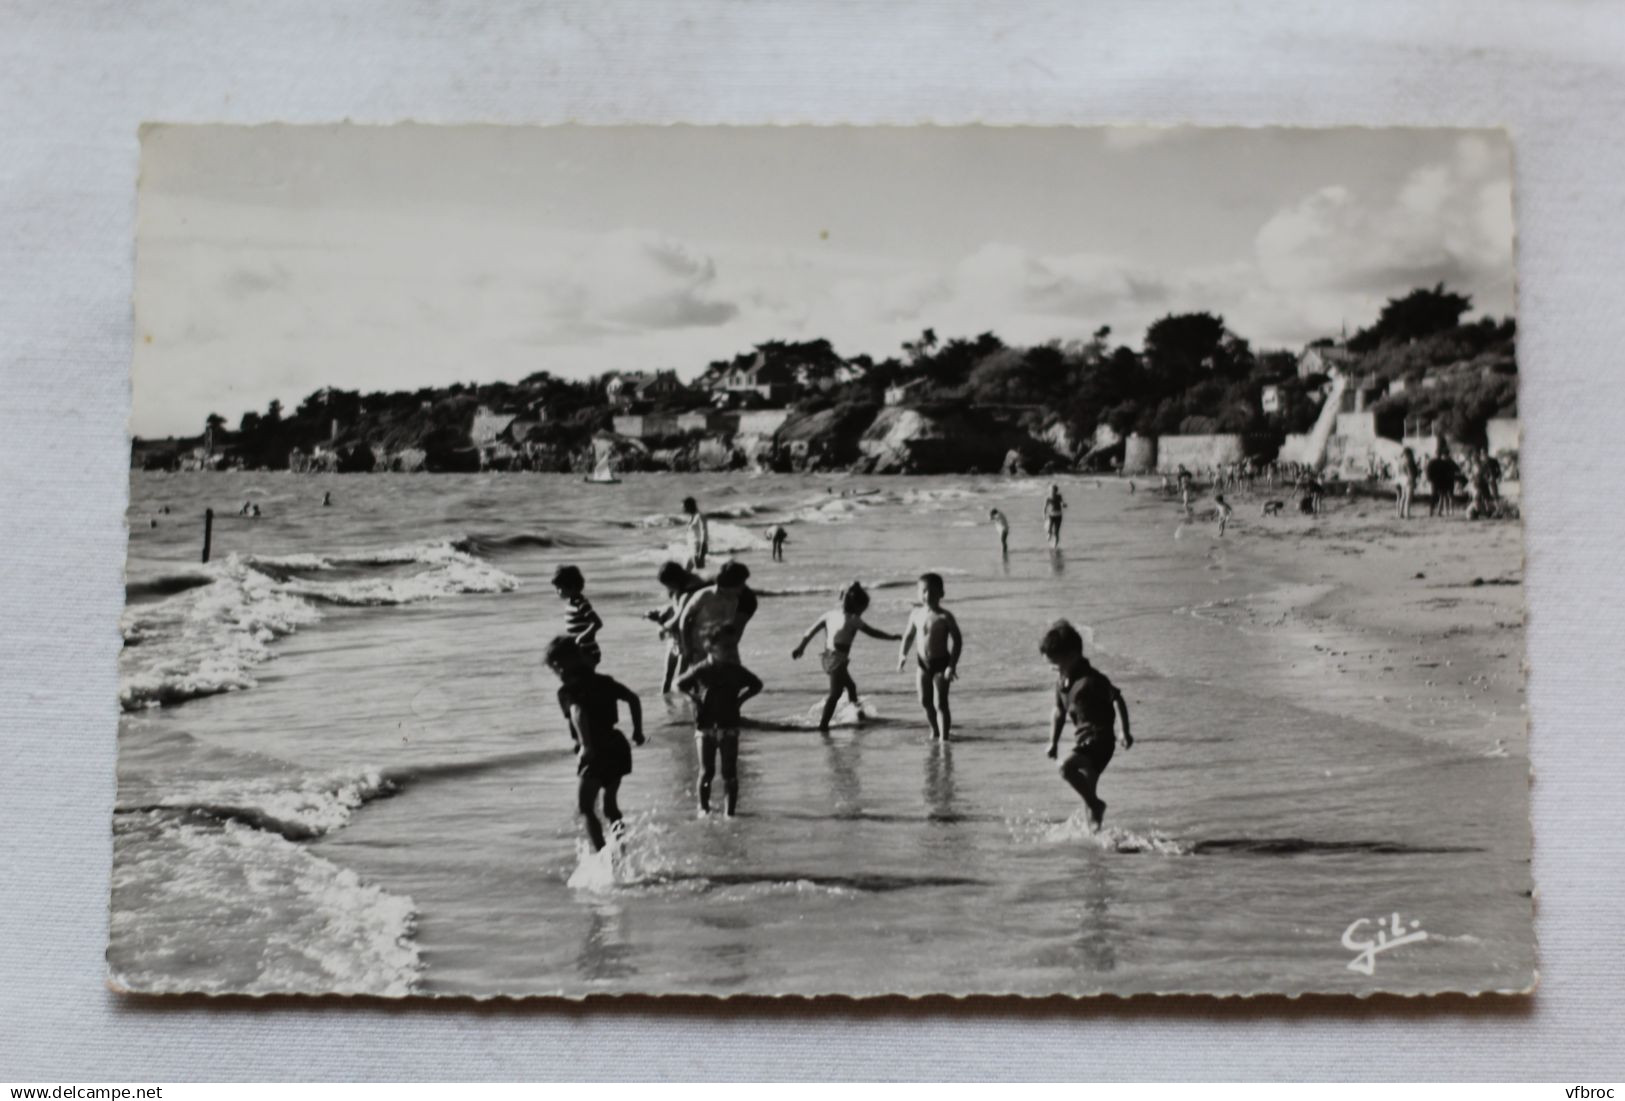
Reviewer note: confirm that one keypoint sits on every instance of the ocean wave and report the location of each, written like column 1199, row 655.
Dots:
column 208, row 638
column 296, row 808
column 495, row 545
column 454, row 575
column 220, row 907
column 165, row 585
column 833, row 510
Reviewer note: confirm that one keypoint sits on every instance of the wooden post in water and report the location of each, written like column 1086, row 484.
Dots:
column 208, row 531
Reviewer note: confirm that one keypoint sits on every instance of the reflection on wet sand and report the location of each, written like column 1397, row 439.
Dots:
column 1096, row 943
column 606, row 949
column 845, row 789
column 939, row 781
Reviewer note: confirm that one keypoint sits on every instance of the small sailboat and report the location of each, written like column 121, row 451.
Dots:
column 603, row 473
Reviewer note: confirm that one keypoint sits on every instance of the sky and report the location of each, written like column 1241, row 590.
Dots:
column 272, row 261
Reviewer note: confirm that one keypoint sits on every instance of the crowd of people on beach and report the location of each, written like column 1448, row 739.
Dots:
column 702, row 622
column 1476, row 476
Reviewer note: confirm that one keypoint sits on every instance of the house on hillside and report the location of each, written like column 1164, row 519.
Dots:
column 1269, row 399
column 1323, row 359
column 772, row 382
column 629, row 387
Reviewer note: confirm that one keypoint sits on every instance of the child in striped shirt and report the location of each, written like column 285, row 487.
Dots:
column 582, row 624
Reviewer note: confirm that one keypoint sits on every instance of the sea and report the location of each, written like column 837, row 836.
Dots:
column 342, row 767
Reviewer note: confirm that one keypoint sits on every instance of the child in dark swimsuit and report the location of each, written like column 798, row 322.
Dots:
column 841, row 628
column 720, row 688
column 937, row 654
column 589, row 701
column 1084, row 695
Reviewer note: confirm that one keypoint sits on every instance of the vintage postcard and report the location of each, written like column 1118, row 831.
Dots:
column 814, row 561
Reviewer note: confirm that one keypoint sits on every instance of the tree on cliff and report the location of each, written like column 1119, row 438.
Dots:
column 1420, row 313
column 916, row 349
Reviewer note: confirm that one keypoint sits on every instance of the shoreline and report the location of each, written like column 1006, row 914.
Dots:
column 1418, row 622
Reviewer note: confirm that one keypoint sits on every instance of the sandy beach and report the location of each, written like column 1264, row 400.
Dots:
column 1420, row 620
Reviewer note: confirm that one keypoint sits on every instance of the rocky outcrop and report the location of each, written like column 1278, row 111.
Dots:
column 917, row 441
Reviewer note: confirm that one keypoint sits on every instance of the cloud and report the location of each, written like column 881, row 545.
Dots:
column 1002, row 280
column 633, row 280
column 1449, row 222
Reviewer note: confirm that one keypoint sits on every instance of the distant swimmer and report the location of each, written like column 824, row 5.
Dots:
column 1131, row 487
column 164, row 511
column 841, row 628
column 247, row 508
column 327, row 499
column 1054, row 504
column 939, row 645
column 1084, row 695
column 582, row 624
column 699, row 534
column 1224, row 511
column 779, row 537
column 1002, row 526
column 255, row 512
column 590, row 703
column 720, row 688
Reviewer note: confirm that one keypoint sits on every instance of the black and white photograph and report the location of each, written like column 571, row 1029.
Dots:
column 830, row 560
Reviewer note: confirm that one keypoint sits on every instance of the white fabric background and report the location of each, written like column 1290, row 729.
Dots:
column 76, row 78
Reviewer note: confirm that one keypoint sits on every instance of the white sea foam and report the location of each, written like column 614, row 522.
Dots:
column 206, row 640
column 296, row 808
column 209, row 638
column 221, row 907
column 448, row 572
column 1027, row 828
column 833, row 510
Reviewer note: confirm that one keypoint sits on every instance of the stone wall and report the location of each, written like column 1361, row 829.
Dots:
column 1198, row 452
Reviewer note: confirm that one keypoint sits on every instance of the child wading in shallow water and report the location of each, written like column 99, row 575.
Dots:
column 1002, row 526
column 1083, row 694
column 589, row 701
column 721, row 688
column 936, row 655
column 583, row 623
column 840, row 628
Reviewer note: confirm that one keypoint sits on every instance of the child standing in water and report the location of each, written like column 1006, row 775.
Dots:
column 721, row 688
column 1084, row 695
column 1053, row 506
column 936, row 655
column 583, row 623
column 840, row 628
column 590, row 702
column 1223, row 512
column 698, row 534
column 1002, row 526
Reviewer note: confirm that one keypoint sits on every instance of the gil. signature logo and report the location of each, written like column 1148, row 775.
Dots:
column 1381, row 939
